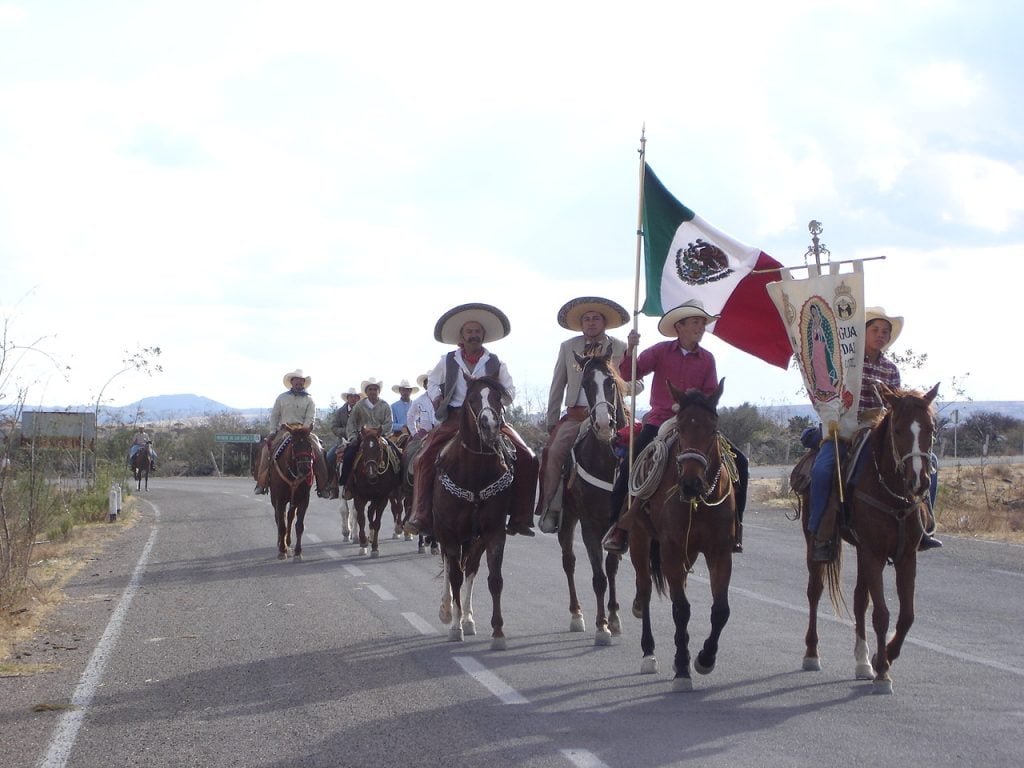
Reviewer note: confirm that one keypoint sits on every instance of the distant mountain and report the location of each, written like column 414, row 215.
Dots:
column 160, row 408
column 781, row 414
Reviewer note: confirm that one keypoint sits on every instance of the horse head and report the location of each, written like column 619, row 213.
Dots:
column 910, row 424
column 603, row 389
column 697, row 441
column 483, row 410
column 374, row 458
column 299, row 450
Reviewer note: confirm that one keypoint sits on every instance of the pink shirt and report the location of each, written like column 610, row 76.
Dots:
column 693, row 370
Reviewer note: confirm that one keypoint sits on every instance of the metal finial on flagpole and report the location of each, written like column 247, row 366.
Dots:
column 817, row 248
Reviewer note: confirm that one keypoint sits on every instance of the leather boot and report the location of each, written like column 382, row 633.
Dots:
column 616, row 541
column 737, row 546
column 928, row 541
column 822, row 551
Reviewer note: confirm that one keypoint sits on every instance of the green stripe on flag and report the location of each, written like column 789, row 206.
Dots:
column 662, row 216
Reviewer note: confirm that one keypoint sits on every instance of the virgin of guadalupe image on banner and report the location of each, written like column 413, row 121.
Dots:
column 824, row 318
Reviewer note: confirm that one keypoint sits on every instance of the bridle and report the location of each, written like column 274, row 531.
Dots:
column 705, row 460
column 900, row 464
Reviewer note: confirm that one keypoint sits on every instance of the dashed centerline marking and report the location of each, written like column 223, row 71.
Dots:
column 380, row 592
column 581, row 758
column 422, row 625
column 505, row 693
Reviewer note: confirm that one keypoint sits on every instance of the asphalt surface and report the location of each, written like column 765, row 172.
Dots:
column 186, row 642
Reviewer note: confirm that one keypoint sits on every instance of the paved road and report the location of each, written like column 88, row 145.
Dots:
column 189, row 643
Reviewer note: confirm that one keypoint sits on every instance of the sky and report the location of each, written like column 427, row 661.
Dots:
column 255, row 187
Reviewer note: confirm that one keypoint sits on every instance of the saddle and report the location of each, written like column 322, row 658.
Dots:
column 800, row 477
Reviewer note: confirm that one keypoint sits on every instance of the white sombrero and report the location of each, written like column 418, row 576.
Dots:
column 878, row 313
column 691, row 308
column 351, row 392
column 297, row 374
column 495, row 323
column 404, row 384
column 370, row 382
column 569, row 316
column 422, row 379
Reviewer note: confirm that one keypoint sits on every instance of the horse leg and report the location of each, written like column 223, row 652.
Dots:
column 872, row 569
column 468, row 622
column 282, row 548
column 675, row 577
column 611, row 569
column 815, row 588
column 376, row 514
column 640, row 554
column 361, row 522
column 720, row 572
column 906, row 577
column 455, row 580
column 395, row 502
column 300, row 517
column 862, row 658
column 495, row 582
column 565, row 536
column 598, row 579
column 444, row 613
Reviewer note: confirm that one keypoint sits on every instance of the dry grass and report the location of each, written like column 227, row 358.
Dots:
column 53, row 565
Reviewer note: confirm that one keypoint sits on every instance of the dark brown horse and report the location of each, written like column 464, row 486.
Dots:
column 691, row 512
column 586, row 497
column 374, row 477
column 291, row 477
column 409, row 453
column 471, row 501
column 141, row 463
column 401, row 496
column 887, row 505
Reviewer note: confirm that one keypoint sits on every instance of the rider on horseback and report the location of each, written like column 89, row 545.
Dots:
column 592, row 315
column 687, row 365
column 468, row 325
column 139, row 442
column 292, row 407
column 400, row 408
column 369, row 412
column 880, row 331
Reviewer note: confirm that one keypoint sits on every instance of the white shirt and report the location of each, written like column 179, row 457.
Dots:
column 421, row 414
column 459, row 395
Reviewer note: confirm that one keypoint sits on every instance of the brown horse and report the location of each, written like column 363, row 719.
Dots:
column 374, row 476
column 409, row 454
column 141, row 463
column 691, row 512
column 401, row 496
column 472, row 498
column 291, row 477
column 887, row 505
column 587, row 492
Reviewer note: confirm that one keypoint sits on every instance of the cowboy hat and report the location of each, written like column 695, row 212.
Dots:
column 297, row 374
column 495, row 323
column 571, row 314
column 404, row 384
column 422, row 379
column 351, row 392
column 691, row 308
column 370, row 382
column 878, row 313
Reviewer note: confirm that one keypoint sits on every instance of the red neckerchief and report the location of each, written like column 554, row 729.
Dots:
column 472, row 360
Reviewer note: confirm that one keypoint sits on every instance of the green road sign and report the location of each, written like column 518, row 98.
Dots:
column 240, row 438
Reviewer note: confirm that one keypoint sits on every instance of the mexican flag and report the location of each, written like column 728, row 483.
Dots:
column 686, row 258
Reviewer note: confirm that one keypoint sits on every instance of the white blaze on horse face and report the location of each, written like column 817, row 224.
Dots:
column 920, row 470
column 602, row 416
column 486, row 420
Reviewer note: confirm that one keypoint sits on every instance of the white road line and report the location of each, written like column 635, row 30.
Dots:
column 581, row 758
column 422, row 625
column 824, row 616
column 380, row 592
column 353, row 570
column 505, row 693
column 1009, row 573
column 332, row 552
column 314, row 538
column 66, row 733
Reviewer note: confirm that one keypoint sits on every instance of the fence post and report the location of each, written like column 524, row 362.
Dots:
column 114, row 502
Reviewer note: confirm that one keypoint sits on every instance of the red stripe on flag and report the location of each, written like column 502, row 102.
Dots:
column 750, row 321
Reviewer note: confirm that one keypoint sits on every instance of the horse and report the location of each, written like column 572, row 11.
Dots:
column 471, row 501
column 409, row 454
column 141, row 463
column 692, row 511
column 401, row 496
column 887, row 505
column 291, row 477
column 586, row 495
column 372, row 480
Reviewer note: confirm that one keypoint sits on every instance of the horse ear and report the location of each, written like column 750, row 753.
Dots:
column 932, row 393
column 676, row 394
column 718, row 392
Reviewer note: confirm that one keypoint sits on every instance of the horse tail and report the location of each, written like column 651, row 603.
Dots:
column 833, row 572
column 656, row 574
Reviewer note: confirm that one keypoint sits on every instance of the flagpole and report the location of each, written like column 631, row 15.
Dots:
column 636, row 296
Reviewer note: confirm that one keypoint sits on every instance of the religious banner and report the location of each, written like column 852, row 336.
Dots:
column 824, row 318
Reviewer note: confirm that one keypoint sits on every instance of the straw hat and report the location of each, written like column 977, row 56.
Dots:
column 691, row 308
column 297, row 374
column 571, row 313
column 878, row 313
column 422, row 379
column 493, row 320
column 351, row 392
column 370, row 382
column 404, row 384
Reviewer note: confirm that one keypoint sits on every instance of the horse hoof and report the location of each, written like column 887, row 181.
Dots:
column 282, row 556
column 468, row 627
column 408, row 537
column 702, row 668
column 394, row 537
column 362, row 550
column 603, row 637
column 649, row 665
column 577, row 624
column 499, row 644
column 455, row 635
column 298, row 557
column 812, row 664
column 346, row 536
column 445, row 616
column 614, row 625
column 863, row 672
column 883, row 686
column 421, row 549
column 682, row 684
column 638, row 610
column 434, row 549
column 374, row 554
